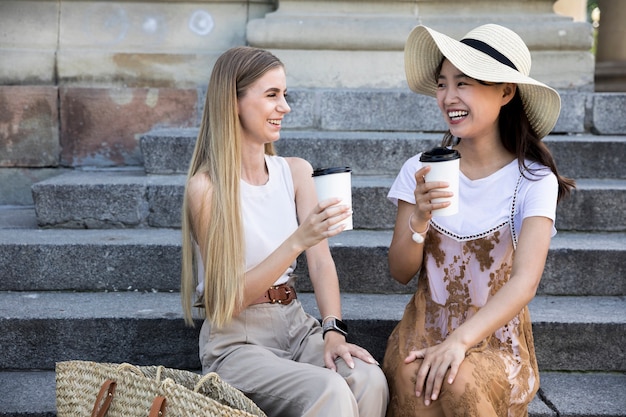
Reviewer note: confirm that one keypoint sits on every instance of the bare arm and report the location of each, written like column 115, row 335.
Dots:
column 312, row 231
column 405, row 255
column 322, row 270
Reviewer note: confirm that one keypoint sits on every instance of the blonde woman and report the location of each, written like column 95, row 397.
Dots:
column 464, row 346
column 248, row 214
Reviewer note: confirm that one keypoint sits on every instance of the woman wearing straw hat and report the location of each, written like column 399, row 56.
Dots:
column 248, row 214
column 464, row 345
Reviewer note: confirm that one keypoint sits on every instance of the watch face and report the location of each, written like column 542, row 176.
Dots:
column 341, row 326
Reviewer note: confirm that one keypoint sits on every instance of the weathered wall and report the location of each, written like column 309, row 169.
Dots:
column 80, row 81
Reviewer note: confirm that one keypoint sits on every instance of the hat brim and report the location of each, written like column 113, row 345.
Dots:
column 425, row 49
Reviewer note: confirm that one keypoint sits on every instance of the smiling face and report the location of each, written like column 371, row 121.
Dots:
column 469, row 107
column 262, row 107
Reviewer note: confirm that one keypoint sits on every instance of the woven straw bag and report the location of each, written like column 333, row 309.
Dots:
column 78, row 384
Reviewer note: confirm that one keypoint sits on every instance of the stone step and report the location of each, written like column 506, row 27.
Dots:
column 32, row 394
column 130, row 198
column 383, row 153
column 149, row 259
column 38, row 329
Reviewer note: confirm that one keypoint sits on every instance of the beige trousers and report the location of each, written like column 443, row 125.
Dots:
column 274, row 354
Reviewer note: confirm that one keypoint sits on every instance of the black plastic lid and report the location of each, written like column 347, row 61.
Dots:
column 333, row 170
column 439, row 154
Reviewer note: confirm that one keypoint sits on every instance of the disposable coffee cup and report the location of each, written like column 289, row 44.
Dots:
column 444, row 166
column 335, row 182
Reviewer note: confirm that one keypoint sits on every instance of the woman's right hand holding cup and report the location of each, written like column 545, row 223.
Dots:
column 322, row 222
column 425, row 193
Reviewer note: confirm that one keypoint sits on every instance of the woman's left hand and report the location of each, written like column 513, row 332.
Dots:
column 335, row 346
column 436, row 361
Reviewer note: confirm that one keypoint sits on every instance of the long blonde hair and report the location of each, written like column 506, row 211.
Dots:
column 217, row 154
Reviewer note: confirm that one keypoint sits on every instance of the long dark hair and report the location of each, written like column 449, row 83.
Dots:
column 519, row 138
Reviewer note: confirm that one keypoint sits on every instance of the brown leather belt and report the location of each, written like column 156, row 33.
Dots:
column 277, row 294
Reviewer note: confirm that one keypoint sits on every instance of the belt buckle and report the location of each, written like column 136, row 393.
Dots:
column 274, row 300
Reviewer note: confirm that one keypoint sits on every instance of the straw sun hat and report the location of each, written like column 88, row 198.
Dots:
column 489, row 53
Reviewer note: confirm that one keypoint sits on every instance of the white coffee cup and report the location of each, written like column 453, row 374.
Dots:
column 335, row 182
column 444, row 166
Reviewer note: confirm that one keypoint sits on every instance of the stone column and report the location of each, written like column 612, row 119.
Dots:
column 611, row 49
column 359, row 44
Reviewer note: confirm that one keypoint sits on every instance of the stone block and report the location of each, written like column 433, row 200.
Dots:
column 29, row 126
column 90, row 260
column 609, row 114
column 28, row 23
column 304, row 105
column 343, row 69
column 165, row 198
column 168, row 151
column 27, row 67
column 595, row 204
column 367, row 153
column 83, row 200
column 573, row 112
column 28, row 41
column 564, row 392
column 181, row 26
column 588, row 156
column 101, row 126
column 101, row 68
column 397, row 110
column 149, row 43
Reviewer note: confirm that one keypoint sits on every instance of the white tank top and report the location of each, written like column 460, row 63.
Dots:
column 269, row 214
column 269, row 218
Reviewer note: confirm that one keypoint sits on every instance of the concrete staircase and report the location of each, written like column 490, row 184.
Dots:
column 92, row 271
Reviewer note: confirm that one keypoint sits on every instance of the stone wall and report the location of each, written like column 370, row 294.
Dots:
column 81, row 80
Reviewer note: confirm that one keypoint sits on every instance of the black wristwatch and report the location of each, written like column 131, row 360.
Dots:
column 334, row 325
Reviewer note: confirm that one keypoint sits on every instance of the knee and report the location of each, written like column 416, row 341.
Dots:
column 375, row 379
column 462, row 382
column 334, row 392
column 369, row 386
column 405, row 376
column 468, row 381
column 334, row 383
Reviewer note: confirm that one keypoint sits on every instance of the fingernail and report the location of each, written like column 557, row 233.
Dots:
column 426, row 402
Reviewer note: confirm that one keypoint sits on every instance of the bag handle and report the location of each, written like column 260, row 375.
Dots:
column 201, row 381
column 107, row 390
column 101, row 406
column 158, row 407
column 128, row 367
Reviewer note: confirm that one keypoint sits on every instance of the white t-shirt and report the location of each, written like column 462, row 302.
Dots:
column 488, row 200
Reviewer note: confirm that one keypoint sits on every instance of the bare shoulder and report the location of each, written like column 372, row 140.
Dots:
column 198, row 182
column 301, row 172
column 299, row 165
column 199, row 187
